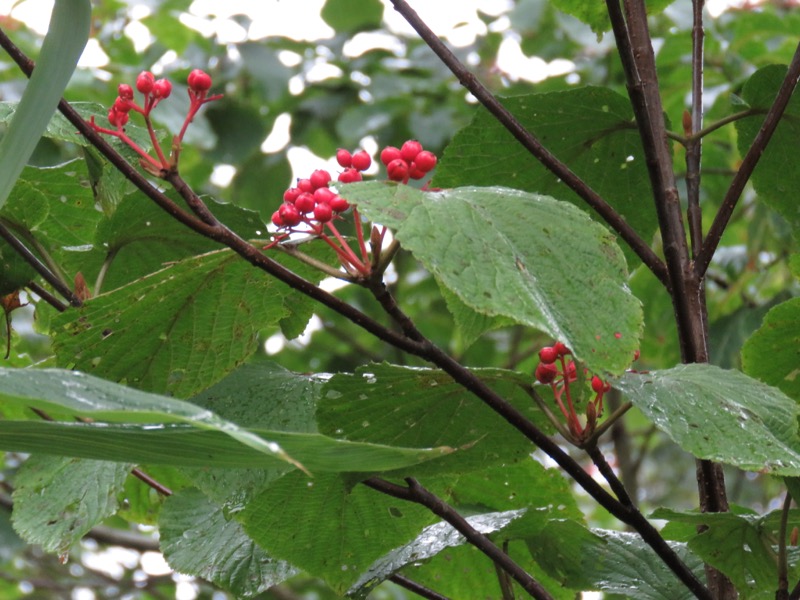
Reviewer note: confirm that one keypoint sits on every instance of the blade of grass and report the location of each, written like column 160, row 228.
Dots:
column 62, row 47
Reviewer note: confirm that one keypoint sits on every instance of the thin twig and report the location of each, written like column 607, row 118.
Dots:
column 415, row 492
column 607, row 472
column 38, row 266
column 417, row 588
column 694, row 147
column 783, row 566
column 749, row 163
column 47, row 296
column 532, row 144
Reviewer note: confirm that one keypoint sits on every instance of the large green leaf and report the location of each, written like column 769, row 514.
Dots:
column 329, row 527
column 775, row 179
column 589, row 128
column 202, row 317
column 57, row 500
column 198, row 539
column 423, row 408
column 609, row 561
column 720, row 415
column 128, row 425
column 771, row 352
column 531, row 258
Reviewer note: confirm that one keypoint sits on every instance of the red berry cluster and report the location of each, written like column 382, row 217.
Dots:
column 555, row 370
column 409, row 161
column 154, row 91
column 311, row 206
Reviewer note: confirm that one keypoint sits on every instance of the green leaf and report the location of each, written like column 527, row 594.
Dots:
column 767, row 355
column 720, row 415
column 141, row 238
column 609, row 561
column 589, row 128
column 425, row 408
column 330, row 528
column 595, row 14
column 775, row 179
column 57, row 500
column 198, row 538
column 15, row 273
column 128, row 425
column 351, row 16
column 66, row 37
column 531, row 258
column 739, row 545
column 191, row 311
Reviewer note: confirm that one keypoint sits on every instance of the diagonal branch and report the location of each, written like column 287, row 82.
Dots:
column 418, row 494
column 532, row 144
column 748, row 165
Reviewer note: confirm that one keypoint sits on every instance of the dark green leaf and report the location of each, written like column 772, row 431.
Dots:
column 350, row 16
column 768, row 354
column 57, row 500
column 233, row 561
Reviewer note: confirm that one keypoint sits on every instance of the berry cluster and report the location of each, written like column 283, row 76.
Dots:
column 409, row 161
column 555, row 370
column 154, row 91
column 312, row 206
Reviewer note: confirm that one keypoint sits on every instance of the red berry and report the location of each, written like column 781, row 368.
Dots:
column 344, row 158
column 599, row 386
column 289, row 215
column 305, row 185
column 323, row 213
column 305, row 203
column 410, row 150
column 425, row 160
column 349, row 176
column 548, row 355
column 320, row 178
column 415, row 172
column 324, row 195
column 389, row 154
column 361, row 160
column 199, row 81
column 125, row 91
column 571, row 373
column 162, row 88
column 145, row 82
column 291, row 195
column 546, row 373
column 339, row 204
column 121, row 105
column 635, row 355
column 397, row 170
column 561, row 349
column 277, row 220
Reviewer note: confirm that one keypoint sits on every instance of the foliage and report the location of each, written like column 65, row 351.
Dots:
column 409, row 442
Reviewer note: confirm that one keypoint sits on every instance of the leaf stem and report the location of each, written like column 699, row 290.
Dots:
column 416, row 493
column 417, row 588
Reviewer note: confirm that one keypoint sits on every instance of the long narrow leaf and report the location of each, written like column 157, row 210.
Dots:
column 62, row 47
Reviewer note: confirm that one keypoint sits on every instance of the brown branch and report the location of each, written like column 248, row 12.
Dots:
column 38, row 266
column 419, row 589
column 694, row 146
column 749, row 163
column 532, row 144
column 416, row 493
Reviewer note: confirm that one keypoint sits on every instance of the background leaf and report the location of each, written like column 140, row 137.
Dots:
column 81, row 492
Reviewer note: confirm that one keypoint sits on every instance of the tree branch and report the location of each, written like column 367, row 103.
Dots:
column 694, row 147
column 532, row 144
column 420, row 495
column 418, row 589
column 749, row 163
